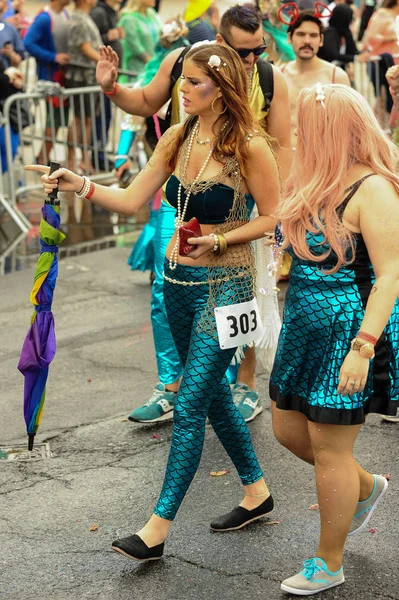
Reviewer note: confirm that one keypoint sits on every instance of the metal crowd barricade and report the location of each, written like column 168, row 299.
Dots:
column 364, row 85
column 47, row 118
column 13, row 225
column 42, row 126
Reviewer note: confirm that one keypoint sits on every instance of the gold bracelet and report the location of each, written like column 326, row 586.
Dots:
column 222, row 244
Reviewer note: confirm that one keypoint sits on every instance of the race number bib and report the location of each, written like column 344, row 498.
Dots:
column 238, row 324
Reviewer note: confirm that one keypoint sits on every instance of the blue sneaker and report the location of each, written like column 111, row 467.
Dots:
column 247, row 401
column 158, row 408
column 314, row 577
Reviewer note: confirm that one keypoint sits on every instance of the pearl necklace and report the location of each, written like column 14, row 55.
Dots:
column 181, row 212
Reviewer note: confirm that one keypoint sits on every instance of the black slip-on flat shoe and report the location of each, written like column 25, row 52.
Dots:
column 240, row 516
column 134, row 547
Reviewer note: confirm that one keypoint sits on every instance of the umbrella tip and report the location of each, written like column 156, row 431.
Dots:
column 30, row 442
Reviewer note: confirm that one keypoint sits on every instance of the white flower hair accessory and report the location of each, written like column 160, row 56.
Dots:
column 215, row 62
column 320, row 96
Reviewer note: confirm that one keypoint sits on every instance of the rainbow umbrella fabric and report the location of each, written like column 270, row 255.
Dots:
column 39, row 347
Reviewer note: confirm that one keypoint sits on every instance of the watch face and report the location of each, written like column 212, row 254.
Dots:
column 367, row 351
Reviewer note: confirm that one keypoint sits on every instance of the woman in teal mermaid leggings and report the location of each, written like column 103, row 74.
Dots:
column 217, row 164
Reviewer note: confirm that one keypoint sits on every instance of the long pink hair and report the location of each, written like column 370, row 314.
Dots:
column 330, row 140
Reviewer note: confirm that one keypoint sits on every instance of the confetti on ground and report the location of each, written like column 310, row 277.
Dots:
column 89, row 380
column 94, row 527
column 272, row 522
column 314, row 507
column 156, row 436
column 372, row 530
column 124, row 420
column 219, row 473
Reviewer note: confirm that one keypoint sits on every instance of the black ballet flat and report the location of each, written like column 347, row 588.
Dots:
column 240, row 516
column 133, row 547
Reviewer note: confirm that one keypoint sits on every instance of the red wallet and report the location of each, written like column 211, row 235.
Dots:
column 191, row 229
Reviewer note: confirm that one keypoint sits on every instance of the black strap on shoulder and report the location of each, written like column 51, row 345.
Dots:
column 352, row 189
column 177, row 69
column 174, row 76
column 266, row 81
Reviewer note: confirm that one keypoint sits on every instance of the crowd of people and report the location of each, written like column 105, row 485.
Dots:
column 258, row 164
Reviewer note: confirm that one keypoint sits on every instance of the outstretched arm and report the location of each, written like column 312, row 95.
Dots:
column 124, row 202
column 145, row 101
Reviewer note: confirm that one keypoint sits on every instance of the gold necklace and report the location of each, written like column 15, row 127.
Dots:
column 201, row 142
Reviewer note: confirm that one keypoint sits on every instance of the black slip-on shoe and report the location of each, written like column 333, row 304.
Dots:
column 240, row 516
column 134, row 547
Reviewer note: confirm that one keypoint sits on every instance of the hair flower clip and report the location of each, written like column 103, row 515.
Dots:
column 215, row 62
column 320, row 96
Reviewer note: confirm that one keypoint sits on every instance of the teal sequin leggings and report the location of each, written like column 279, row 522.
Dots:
column 204, row 392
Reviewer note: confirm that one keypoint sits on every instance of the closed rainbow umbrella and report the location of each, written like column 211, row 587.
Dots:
column 39, row 347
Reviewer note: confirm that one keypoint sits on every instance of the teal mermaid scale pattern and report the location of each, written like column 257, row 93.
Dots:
column 322, row 314
column 204, row 392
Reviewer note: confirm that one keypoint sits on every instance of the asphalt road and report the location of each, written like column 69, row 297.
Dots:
column 107, row 472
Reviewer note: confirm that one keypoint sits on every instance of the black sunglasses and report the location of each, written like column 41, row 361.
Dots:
column 244, row 52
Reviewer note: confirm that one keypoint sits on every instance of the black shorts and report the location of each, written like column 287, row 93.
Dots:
column 86, row 104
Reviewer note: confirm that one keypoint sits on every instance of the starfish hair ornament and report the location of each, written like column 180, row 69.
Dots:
column 320, row 95
column 215, row 62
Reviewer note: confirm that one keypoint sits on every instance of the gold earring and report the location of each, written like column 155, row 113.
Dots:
column 213, row 110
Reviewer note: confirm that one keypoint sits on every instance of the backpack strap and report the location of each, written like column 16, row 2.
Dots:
column 266, row 81
column 177, row 69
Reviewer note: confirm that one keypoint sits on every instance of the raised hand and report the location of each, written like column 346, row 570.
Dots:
column 63, row 179
column 107, row 68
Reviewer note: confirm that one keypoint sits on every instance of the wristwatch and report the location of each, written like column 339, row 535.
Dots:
column 365, row 350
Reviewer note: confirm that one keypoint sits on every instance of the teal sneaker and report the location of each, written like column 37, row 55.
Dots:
column 158, row 408
column 365, row 509
column 314, row 577
column 247, row 401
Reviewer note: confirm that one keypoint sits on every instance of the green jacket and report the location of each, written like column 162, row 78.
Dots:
column 141, row 36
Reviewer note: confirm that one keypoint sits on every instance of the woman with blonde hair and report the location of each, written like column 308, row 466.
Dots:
column 142, row 27
column 218, row 165
column 338, row 352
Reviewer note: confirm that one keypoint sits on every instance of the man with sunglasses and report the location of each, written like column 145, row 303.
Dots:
column 241, row 29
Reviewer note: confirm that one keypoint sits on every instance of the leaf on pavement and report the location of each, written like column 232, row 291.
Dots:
column 272, row 522
column 372, row 530
column 94, row 527
column 219, row 473
column 314, row 507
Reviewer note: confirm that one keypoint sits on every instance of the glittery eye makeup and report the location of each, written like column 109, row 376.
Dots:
column 194, row 82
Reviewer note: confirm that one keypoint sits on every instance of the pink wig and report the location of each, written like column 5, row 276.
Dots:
column 333, row 135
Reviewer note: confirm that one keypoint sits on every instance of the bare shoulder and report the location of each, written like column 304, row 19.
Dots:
column 258, row 146
column 341, row 76
column 279, row 80
column 286, row 70
column 377, row 190
column 169, row 136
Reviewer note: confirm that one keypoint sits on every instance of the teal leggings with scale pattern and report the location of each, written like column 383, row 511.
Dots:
column 204, row 392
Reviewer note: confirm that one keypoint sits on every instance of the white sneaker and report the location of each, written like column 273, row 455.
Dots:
column 314, row 577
